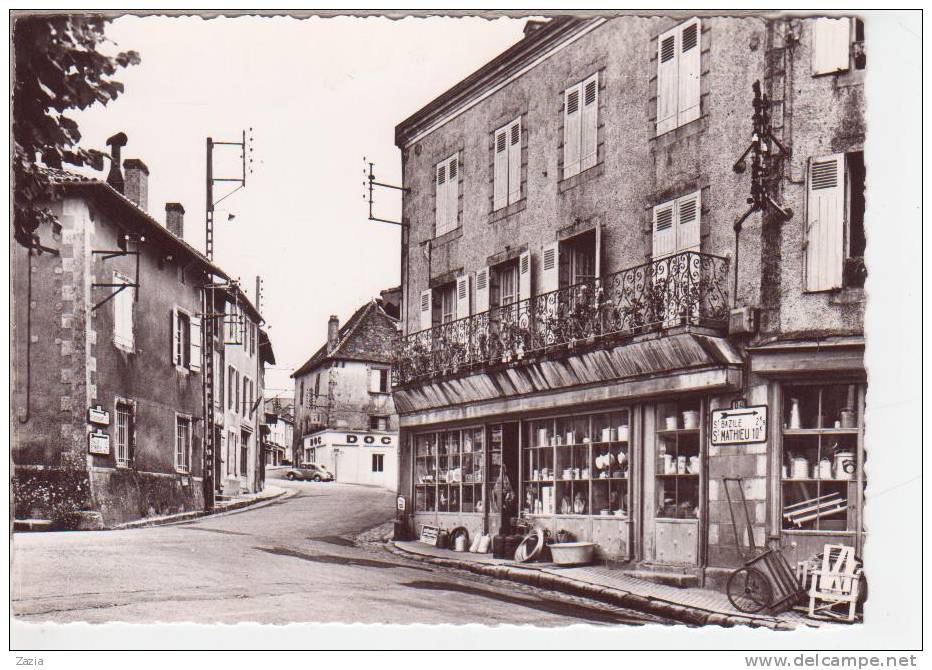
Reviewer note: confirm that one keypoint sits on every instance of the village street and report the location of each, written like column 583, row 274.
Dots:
column 291, row 560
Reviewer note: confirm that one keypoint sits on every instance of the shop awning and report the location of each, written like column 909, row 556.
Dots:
column 656, row 365
column 830, row 355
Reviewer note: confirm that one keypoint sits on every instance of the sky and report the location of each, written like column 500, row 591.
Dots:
column 319, row 94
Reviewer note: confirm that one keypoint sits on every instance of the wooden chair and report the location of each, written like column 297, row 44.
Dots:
column 838, row 582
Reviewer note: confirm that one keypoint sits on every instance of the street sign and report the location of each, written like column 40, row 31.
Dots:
column 745, row 425
column 430, row 534
column 98, row 443
column 98, row 416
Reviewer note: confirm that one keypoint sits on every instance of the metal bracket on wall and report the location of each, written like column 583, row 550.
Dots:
column 372, row 183
column 106, row 255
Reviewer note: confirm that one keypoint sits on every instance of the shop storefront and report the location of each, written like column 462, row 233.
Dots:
column 640, row 477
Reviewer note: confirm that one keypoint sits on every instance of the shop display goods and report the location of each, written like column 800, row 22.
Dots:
column 531, row 546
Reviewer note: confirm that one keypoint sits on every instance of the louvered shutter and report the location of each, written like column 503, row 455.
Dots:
column 426, row 309
column 453, row 192
column 825, row 223
column 462, row 297
column 688, row 72
column 176, row 344
column 524, row 276
column 688, row 211
column 664, row 236
column 194, row 350
column 482, row 290
column 598, row 251
column 831, row 39
column 514, row 162
column 440, row 198
column 571, row 125
column 667, row 68
column 590, row 123
column 550, row 267
column 374, row 381
column 500, row 170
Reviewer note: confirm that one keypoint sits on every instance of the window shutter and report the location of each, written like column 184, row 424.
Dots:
column 667, row 68
column 571, row 123
column 831, row 40
column 598, row 251
column 688, row 211
column 462, row 297
column 426, row 309
column 689, row 68
column 482, row 290
column 500, row 170
column 550, row 267
column 373, row 380
column 440, row 198
column 664, row 231
column 524, row 276
column 453, row 192
column 514, row 162
column 176, row 345
column 825, row 223
column 195, row 344
column 590, row 123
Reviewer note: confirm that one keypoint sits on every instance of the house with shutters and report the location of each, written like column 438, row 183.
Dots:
column 344, row 416
column 579, row 313
column 106, row 356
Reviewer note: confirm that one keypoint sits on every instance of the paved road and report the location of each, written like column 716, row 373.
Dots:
column 291, row 560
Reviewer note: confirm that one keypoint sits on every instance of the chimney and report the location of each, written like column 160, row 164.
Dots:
column 533, row 25
column 116, row 144
column 174, row 218
column 333, row 333
column 137, row 182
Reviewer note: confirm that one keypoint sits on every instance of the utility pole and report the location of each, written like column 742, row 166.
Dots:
column 210, row 313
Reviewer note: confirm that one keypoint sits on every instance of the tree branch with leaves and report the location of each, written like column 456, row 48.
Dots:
column 58, row 67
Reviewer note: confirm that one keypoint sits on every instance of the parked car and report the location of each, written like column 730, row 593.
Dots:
column 309, row 471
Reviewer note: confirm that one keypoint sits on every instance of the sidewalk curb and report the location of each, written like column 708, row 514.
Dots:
column 198, row 514
column 533, row 576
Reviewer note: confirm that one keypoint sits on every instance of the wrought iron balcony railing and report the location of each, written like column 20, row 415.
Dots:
column 686, row 288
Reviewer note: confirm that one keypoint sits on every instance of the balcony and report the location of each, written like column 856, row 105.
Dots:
column 688, row 288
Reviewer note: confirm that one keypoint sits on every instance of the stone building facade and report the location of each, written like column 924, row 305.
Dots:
column 571, row 272
column 106, row 366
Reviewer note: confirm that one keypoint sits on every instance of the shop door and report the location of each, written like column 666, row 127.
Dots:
column 673, row 488
column 503, row 459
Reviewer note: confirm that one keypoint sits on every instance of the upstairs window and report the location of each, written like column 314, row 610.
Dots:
column 837, row 45
column 447, row 194
column 378, row 380
column 835, row 240
column 506, row 172
column 572, row 261
column 123, row 312
column 438, row 306
column 678, row 69
column 676, row 225
column 580, row 126
column 378, row 423
column 181, row 345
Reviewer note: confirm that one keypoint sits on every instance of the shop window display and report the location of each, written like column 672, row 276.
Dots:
column 679, row 461
column 449, row 471
column 821, row 467
column 578, row 465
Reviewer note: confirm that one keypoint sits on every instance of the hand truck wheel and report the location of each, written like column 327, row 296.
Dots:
column 749, row 590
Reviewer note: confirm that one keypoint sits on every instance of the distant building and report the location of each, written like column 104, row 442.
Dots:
column 344, row 414
column 237, row 457
column 279, row 446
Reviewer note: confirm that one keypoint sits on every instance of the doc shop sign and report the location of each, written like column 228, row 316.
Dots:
column 367, row 440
